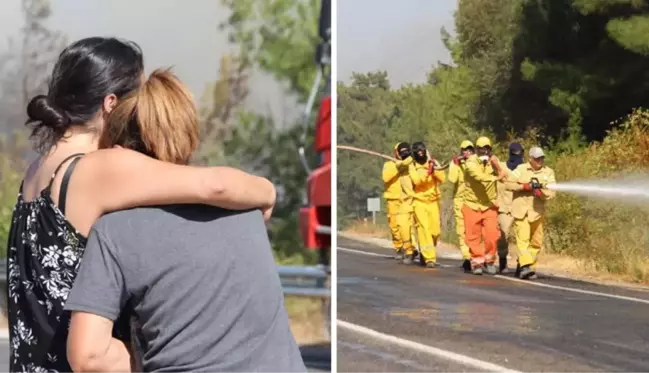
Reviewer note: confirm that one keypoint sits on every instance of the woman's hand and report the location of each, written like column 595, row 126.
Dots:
column 267, row 210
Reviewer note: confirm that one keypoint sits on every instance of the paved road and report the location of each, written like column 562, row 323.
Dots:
column 459, row 322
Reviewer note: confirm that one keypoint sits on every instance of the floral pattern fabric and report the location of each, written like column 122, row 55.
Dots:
column 42, row 263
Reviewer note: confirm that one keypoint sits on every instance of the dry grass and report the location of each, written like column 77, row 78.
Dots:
column 307, row 320
column 367, row 229
column 549, row 263
column 565, row 266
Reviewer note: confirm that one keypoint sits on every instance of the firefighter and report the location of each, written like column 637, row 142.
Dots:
column 426, row 178
column 504, row 199
column 398, row 204
column 480, row 211
column 456, row 177
column 527, row 182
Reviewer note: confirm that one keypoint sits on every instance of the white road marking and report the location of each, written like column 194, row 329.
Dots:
column 364, row 252
column 380, row 255
column 430, row 350
column 589, row 292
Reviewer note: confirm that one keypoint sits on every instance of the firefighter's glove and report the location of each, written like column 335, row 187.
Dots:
column 431, row 166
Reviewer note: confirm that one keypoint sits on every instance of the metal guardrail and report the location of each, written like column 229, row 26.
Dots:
column 296, row 280
column 305, row 281
column 323, row 229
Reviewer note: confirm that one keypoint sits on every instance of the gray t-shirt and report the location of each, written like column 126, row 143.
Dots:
column 202, row 283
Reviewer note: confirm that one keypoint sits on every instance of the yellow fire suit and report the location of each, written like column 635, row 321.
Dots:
column 456, row 177
column 398, row 203
column 480, row 211
column 529, row 211
column 426, row 207
column 505, row 218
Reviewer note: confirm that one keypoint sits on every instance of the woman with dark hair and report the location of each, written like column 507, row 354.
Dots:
column 211, row 301
column 56, row 208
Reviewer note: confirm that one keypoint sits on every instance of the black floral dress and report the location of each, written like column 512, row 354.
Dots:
column 42, row 262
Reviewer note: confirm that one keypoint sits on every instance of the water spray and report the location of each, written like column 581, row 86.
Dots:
column 365, row 151
column 601, row 191
column 629, row 187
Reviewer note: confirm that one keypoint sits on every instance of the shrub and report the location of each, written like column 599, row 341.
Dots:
column 608, row 234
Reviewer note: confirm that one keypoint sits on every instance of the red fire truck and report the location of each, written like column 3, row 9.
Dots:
column 315, row 215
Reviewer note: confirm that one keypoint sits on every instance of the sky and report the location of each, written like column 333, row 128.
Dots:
column 170, row 32
column 399, row 36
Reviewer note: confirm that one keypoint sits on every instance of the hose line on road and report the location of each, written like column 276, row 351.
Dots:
column 365, row 151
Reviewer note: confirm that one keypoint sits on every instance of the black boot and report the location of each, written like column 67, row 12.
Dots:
column 527, row 272
column 518, row 270
column 466, row 265
column 502, row 265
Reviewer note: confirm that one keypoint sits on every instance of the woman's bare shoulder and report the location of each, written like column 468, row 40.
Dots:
column 113, row 154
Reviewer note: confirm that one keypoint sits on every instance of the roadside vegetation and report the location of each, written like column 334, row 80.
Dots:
column 570, row 76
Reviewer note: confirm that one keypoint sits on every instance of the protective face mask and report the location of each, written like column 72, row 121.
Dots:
column 404, row 154
column 421, row 159
column 484, row 158
column 514, row 161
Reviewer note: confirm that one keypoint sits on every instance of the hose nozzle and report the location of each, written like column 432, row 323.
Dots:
column 536, row 184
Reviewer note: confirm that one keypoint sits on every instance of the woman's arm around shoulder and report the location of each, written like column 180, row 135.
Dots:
column 116, row 179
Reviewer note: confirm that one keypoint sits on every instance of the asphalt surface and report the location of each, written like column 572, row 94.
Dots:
column 514, row 324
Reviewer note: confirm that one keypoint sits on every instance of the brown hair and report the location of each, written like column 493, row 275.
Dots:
column 159, row 119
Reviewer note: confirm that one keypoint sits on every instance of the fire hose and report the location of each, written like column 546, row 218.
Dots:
column 365, row 151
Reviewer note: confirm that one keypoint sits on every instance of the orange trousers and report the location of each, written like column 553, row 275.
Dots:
column 479, row 226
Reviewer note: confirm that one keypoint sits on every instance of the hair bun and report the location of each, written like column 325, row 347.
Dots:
column 41, row 110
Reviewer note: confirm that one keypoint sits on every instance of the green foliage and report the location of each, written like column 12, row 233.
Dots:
column 608, row 234
column 556, row 73
column 278, row 37
column 587, row 7
column 12, row 165
column 24, row 71
column 257, row 146
column 631, row 33
column 9, row 184
column 373, row 117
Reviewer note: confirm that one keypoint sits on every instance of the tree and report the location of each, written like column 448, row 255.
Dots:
column 25, row 68
column 371, row 116
column 24, row 73
column 554, row 64
column 365, row 113
column 277, row 37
